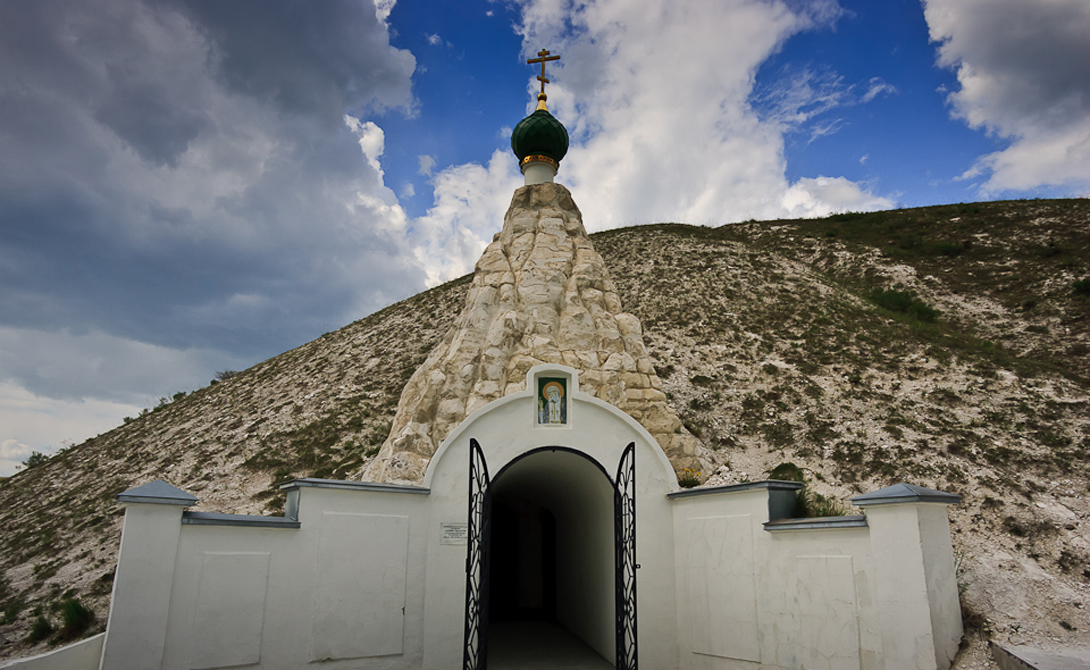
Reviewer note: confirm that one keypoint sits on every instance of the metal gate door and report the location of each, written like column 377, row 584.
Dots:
column 475, row 646
column 624, row 533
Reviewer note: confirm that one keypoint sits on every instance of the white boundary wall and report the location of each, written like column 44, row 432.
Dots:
column 82, row 655
column 360, row 575
column 859, row 593
column 342, row 578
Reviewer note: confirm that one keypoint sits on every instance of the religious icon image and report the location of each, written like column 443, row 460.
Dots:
column 552, row 400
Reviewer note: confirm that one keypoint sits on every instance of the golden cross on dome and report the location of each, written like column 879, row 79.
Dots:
column 542, row 57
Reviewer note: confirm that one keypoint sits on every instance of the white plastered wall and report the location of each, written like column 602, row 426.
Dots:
column 346, row 585
column 507, row 429
column 916, row 584
column 749, row 598
column 716, row 590
column 822, row 594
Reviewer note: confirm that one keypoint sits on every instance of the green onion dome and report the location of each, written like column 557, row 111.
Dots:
column 539, row 134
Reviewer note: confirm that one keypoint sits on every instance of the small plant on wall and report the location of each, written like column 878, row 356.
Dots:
column 808, row 503
column 688, row 478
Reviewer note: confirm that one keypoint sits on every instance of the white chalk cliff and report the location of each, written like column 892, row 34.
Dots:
column 540, row 294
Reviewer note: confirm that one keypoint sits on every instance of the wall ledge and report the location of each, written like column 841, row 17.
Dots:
column 157, row 492
column 82, row 655
column 238, row 520
column 905, row 493
column 817, row 523
column 769, row 484
column 348, row 485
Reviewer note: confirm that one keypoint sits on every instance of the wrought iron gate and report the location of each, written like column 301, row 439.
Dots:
column 475, row 647
column 624, row 533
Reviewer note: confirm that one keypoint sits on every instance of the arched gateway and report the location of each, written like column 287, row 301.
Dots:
column 553, row 522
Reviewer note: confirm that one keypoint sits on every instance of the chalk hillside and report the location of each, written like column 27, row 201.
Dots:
column 943, row 346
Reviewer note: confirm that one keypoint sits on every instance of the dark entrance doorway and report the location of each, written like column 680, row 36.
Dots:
column 557, row 535
column 522, row 580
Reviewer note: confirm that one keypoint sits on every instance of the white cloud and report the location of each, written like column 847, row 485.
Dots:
column 657, row 98
column 1022, row 72
column 192, row 157
column 824, row 129
column 30, row 422
column 877, row 87
column 434, row 40
column 798, row 96
column 12, row 455
column 66, row 366
column 13, row 449
column 800, row 99
column 383, row 8
column 60, row 388
column 470, row 201
column 825, row 195
column 658, row 102
column 371, row 139
column 427, row 164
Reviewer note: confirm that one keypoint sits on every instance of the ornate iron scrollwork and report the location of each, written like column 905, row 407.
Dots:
column 475, row 647
column 624, row 522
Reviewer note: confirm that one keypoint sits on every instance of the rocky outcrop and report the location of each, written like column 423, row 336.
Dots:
column 540, row 294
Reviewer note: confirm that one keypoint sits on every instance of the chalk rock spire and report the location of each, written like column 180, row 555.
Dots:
column 540, row 294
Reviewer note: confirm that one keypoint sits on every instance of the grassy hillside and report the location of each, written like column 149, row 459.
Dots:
column 944, row 346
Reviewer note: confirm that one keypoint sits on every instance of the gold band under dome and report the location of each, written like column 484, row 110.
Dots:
column 538, row 158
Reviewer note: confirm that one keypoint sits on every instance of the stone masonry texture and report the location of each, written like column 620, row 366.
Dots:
column 540, row 294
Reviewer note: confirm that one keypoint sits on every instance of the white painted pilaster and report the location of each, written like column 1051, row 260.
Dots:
column 137, row 627
column 914, row 566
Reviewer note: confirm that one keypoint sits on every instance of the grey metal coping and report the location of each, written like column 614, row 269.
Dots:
column 349, row 485
column 218, row 519
column 1020, row 656
column 905, row 493
column 770, row 484
column 157, row 492
column 818, row 523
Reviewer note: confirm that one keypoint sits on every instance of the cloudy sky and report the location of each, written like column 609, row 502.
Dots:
column 188, row 187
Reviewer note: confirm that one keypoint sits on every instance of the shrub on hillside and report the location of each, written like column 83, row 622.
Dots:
column 951, row 248
column 904, row 302
column 1083, row 286
column 34, row 459
column 75, row 618
column 39, row 630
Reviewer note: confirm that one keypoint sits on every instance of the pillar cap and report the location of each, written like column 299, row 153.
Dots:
column 157, row 492
column 905, row 493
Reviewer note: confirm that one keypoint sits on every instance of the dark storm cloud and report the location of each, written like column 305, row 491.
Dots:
column 180, row 175
column 142, row 114
column 321, row 57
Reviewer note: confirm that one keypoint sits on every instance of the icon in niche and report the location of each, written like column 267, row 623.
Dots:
column 552, row 400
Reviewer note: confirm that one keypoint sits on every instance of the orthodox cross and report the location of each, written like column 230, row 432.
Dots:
column 543, row 56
